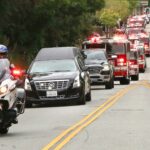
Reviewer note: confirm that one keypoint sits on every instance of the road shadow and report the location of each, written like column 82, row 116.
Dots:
column 97, row 88
column 102, row 87
column 55, row 104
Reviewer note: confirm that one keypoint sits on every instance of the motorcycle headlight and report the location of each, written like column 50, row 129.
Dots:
column 106, row 68
column 3, row 89
column 27, row 85
column 76, row 82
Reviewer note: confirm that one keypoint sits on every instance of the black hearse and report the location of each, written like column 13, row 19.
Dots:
column 58, row 73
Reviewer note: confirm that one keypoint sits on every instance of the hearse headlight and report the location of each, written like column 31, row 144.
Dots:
column 105, row 68
column 27, row 85
column 76, row 82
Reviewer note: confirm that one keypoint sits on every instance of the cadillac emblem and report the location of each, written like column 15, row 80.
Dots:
column 51, row 86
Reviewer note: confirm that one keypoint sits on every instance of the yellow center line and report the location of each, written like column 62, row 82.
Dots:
column 76, row 131
column 76, row 125
column 86, row 120
column 146, row 85
column 63, row 134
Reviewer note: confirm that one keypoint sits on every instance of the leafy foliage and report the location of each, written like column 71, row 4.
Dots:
column 115, row 10
column 108, row 17
column 28, row 25
column 133, row 4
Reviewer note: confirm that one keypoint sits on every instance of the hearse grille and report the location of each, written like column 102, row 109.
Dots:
column 51, row 85
column 52, row 98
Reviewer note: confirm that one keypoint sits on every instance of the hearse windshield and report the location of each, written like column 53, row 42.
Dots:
column 53, row 66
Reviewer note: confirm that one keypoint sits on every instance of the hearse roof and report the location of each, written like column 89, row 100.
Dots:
column 57, row 53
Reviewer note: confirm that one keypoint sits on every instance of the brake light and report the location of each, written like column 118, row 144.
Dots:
column 16, row 72
column 94, row 38
column 121, row 61
column 131, row 63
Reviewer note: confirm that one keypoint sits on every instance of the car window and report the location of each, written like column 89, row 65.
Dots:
column 95, row 55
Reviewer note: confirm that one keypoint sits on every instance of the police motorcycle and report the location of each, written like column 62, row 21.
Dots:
column 12, row 99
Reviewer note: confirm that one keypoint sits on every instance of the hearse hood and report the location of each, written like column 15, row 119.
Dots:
column 52, row 76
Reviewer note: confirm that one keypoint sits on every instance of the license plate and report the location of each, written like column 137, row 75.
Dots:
column 51, row 93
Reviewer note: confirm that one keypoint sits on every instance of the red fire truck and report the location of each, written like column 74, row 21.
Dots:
column 119, row 53
column 97, row 63
column 140, row 46
column 146, row 40
column 142, row 58
column 134, row 64
column 94, row 41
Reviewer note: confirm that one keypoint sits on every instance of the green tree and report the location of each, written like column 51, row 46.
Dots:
column 28, row 25
column 108, row 17
column 119, row 6
column 114, row 10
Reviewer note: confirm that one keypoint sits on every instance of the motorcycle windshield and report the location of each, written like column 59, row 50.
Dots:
column 4, row 69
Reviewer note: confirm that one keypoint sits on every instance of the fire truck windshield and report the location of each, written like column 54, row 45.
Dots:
column 136, row 21
column 93, row 45
column 140, row 50
column 133, row 31
column 133, row 55
column 145, row 40
column 117, row 48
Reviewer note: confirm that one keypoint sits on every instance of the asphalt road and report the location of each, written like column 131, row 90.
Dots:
column 121, row 123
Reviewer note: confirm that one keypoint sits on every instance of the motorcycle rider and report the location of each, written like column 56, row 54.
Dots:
column 4, row 55
column 3, row 51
